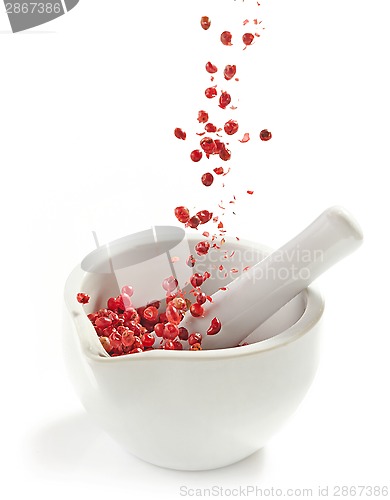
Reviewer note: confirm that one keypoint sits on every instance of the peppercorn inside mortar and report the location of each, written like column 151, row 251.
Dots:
column 123, row 329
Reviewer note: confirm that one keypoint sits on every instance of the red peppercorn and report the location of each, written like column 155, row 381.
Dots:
column 148, row 339
column 171, row 331
column 83, row 298
column 150, row 314
column 183, row 333
column 191, row 261
column 115, row 339
column 169, row 284
column 179, row 303
column 226, row 38
column 169, row 345
column 225, row 154
column 128, row 338
column 128, row 290
column 219, row 145
column 218, row 170
column 210, row 92
column 112, row 304
column 105, row 341
column 173, row 315
column 265, row 135
column 203, row 116
column 92, row 317
column 195, row 338
column 194, row 222
column 229, row 71
column 209, row 127
column 202, row 247
column 211, row 68
column 231, row 127
column 204, row 216
column 196, row 155
column 207, row 179
column 182, row 214
column 159, row 329
column 163, row 318
column 207, row 144
column 205, row 22
column 178, row 345
column 248, row 38
column 136, row 351
column 224, row 100
column 180, row 134
column 103, row 322
column 196, row 280
column 137, row 343
column 214, row 327
column 201, row 298
column 196, row 310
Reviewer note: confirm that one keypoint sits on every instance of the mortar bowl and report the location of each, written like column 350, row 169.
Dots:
column 193, row 410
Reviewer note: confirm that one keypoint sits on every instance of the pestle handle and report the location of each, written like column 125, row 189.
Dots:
column 269, row 285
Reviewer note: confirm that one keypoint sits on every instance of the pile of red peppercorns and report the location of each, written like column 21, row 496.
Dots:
column 124, row 329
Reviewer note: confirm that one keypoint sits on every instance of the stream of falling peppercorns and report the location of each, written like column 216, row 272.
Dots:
column 123, row 329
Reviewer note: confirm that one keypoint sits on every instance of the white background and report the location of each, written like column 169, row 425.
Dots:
column 88, row 106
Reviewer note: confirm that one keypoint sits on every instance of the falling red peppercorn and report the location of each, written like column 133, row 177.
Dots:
column 208, row 145
column 196, row 310
column 229, row 71
column 191, row 261
column 207, row 179
column 265, row 135
column 201, row 298
column 83, row 298
column 210, row 92
column 196, row 155
column 205, row 22
column 211, row 68
column 196, row 280
column 231, row 127
column 204, row 216
column 203, row 116
column 215, row 327
column 180, row 134
column 170, row 284
column 226, row 38
column 209, row 127
column 218, row 170
column 202, row 247
column 224, row 100
column 194, row 222
column 182, row 214
column 248, row 38
column 225, row 154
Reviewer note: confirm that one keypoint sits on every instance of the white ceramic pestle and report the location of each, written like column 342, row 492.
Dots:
column 263, row 289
